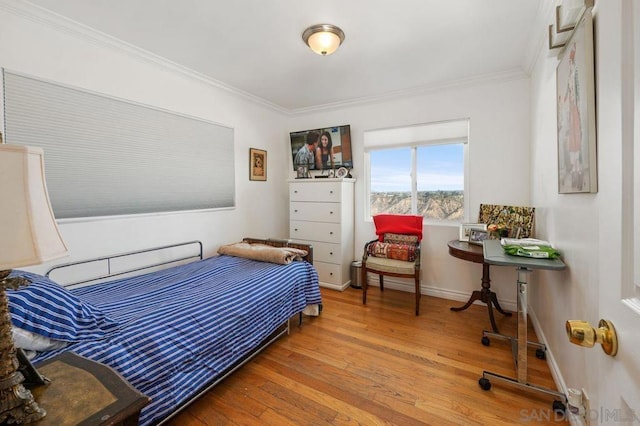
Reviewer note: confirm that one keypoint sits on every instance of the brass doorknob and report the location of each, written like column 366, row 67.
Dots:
column 581, row 333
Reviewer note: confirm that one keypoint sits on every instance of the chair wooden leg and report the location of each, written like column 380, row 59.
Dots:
column 418, row 295
column 381, row 282
column 363, row 277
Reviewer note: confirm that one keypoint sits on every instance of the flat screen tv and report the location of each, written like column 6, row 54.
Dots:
column 327, row 148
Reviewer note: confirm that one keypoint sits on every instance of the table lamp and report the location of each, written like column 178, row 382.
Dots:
column 28, row 236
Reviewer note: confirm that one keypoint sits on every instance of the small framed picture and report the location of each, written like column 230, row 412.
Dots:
column 257, row 164
column 477, row 236
column 466, row 228
column 342, row 172
column 302, row 172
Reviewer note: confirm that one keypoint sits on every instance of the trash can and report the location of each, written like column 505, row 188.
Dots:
column 356, row 271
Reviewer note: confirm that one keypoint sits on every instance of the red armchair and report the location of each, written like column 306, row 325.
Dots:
column 395, row 253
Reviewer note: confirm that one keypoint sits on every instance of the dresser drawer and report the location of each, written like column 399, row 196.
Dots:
column 329, row 272
column 327, row 252
column 315, row 212
column 315, row 191
column 315, row 231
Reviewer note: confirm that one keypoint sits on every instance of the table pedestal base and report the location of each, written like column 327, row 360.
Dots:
column 487, row 296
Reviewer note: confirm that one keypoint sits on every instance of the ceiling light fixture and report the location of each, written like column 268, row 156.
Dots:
column 324, row 39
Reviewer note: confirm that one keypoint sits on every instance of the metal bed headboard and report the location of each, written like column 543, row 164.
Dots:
column 108, row 260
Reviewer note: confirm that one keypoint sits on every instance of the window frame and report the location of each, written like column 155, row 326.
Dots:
column 414, row 182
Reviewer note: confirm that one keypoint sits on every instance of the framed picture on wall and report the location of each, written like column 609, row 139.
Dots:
column 257, row 164
column 576, row 112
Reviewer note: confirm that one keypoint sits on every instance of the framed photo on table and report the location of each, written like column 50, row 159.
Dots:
column 466, row 228
column 577, row 112
column 477, row 236
column 257, row 164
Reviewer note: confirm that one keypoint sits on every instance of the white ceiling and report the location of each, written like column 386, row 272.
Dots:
column 255, row 46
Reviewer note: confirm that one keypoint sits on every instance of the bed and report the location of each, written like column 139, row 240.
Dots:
column 172, row 333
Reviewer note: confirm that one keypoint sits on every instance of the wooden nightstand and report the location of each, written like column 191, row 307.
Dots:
column 85, row 392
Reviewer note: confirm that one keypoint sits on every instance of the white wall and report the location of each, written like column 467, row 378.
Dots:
column 498, row 109
column 498, row 167
column 572, row 221
column 45, row 48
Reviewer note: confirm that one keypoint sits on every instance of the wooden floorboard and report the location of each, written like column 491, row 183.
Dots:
column 379, row 364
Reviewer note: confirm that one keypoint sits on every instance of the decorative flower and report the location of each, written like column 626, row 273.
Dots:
column 498, row 230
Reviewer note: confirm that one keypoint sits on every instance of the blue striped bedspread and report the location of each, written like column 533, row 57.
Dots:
column 183, row 326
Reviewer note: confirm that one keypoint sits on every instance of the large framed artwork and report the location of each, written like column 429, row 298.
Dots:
column 517, row 221
column 577, row 160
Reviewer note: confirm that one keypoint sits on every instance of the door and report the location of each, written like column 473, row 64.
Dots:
column 618, row 378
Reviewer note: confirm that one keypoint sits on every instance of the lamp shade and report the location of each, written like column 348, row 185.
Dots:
column 324, row 39
column 29, row 234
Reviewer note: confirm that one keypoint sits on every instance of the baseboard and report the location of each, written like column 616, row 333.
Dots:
column 460, row 296
column 338, row 287
column 551, row 362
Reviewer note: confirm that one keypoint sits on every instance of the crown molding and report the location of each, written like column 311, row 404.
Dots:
column 538, row 39
column 480, row 80
column 32, row 12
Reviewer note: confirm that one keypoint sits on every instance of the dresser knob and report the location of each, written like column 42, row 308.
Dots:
column 296, row 211
column 331, row 233
column 330, row 192
column 330, row 253
column 296, row 229
column 331, row 273
column 330, row 212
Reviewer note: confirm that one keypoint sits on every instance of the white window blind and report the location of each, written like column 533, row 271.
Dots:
column 106, row 156
column 455, row 131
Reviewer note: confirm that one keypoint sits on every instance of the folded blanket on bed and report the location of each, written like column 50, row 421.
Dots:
column 263, row 252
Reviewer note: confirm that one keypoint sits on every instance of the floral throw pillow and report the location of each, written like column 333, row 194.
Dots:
column 406, row 252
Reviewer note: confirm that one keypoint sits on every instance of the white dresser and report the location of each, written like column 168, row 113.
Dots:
column 321, row 213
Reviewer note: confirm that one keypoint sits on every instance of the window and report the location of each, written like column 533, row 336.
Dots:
column 418, row 170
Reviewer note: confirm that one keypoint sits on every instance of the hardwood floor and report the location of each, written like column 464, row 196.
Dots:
column 380, row 364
